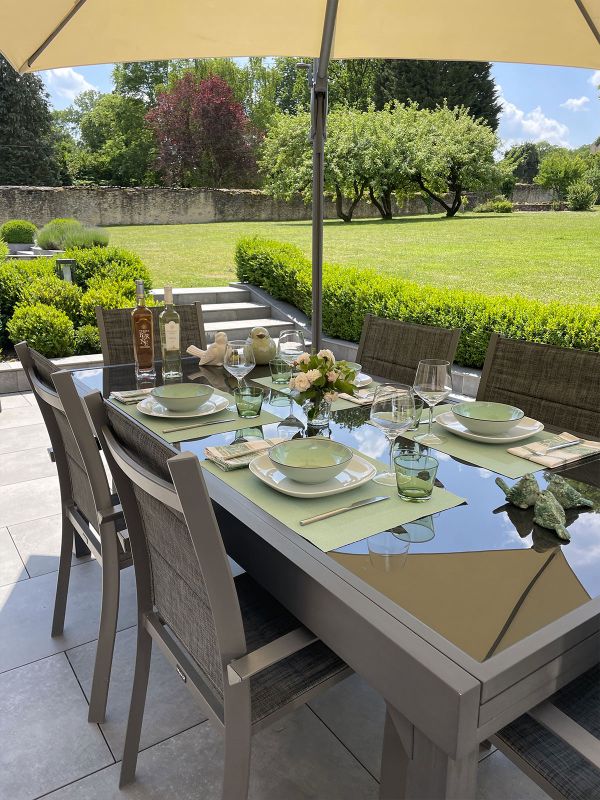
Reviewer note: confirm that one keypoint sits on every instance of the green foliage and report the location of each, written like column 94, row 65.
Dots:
column 350, row 293
column 526, row 159
column 85, row 237
column 15, row 276
column 3, row 250
column 592, row 173
column 581, row 196
column 497, row 205
column 61, row 234
column 559, row 168
column 106, row 293
column 46, row 329
column 113, row 263
column 18, row 231
column 87, row 340
column 52, row 291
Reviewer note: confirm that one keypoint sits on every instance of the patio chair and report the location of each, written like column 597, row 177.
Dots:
column 558, row 743
column 392, row 349
column 559, row 386
column 232, row 643
column 90, row 512
column 114, row 325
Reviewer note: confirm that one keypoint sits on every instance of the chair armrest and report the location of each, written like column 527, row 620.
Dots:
column 567, row 729
column 51, row 455
column 111, row 514
column 241, row 669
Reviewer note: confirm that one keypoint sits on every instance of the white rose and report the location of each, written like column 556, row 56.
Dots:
column 313, row 375
column 302, row 382
column 330, row 396
column 327, row 355
column 303, row 358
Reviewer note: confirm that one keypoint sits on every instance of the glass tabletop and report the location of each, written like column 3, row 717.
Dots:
column 482, row 574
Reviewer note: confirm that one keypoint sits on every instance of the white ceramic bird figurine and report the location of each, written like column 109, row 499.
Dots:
column 214, row 353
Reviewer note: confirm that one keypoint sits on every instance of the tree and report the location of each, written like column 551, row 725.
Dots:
column 526, row 159
column 559, row 169
column 141, row 79
column 27, row 146
column 202, row 134
column 433, row 83
column 592, row 173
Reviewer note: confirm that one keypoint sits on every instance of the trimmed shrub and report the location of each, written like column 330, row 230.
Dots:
column 497, row 205
column 60, row 234
column 46, row 329
column 106, row 294
column 350, row 293
column 52, row 291
column 581, row 196
column 18, row 231
column 85, row 237
column 87, row 340
column 111, row 263
column 15, row 276
column 3, row 250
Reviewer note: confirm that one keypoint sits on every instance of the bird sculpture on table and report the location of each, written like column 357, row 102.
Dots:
column 214, row 353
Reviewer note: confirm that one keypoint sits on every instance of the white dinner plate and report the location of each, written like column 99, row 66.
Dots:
column 362, row 380
column 153, row 408
column 356, row 473
column 525, row 428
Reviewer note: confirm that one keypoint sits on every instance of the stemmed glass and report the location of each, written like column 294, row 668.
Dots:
column 291, row 344
column 393, row 412
column 239, row 359
column 433, row 383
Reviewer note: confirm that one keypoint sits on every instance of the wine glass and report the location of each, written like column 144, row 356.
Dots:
column 239, row 359
column 393, row 412
column 291, row 345
column 433, row 383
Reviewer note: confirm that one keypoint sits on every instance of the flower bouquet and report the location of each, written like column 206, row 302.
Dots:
column 319, row 380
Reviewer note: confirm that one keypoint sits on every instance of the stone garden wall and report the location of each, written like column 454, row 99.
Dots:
column 109, row 205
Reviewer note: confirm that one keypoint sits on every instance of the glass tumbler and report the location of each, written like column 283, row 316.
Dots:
column 248, row 401
column 415, row 476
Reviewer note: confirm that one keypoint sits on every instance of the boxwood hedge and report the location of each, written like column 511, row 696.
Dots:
column 349, row 293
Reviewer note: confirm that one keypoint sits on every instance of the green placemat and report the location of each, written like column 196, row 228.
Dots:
column 329, row 534
column 162, row 426
column 494, row 457
column 337, row 405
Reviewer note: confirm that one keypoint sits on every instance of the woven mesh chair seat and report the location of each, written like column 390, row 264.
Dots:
column 117, row 341
column 392, row 349
column 568, row 772
column 559, row 386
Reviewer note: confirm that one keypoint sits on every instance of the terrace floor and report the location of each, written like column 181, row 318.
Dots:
column 328, row 750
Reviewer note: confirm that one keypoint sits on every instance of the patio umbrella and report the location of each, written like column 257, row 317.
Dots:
column 46, row 34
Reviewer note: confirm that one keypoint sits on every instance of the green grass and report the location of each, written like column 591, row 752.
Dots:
column 543, row 255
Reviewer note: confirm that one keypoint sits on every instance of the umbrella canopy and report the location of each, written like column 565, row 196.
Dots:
column 46, row 34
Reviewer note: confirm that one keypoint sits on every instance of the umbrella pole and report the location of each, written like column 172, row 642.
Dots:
column 318, row 104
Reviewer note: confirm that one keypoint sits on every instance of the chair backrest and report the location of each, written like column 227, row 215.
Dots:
column 392, row 349
column 180, row 562
column 559, row 386
column 81, row 474
column 116, row 338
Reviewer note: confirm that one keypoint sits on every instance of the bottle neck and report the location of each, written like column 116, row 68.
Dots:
column 168, row 295
column 139, row 293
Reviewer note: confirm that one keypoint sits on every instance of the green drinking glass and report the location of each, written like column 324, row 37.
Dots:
column 248, row 401
column 415, row 476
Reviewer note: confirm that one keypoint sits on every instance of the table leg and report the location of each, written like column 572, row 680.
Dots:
column 413, row 768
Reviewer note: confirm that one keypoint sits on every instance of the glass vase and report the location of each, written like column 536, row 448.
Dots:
column 318, row 412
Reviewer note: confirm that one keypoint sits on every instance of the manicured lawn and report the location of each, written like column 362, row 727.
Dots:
column 545, row 255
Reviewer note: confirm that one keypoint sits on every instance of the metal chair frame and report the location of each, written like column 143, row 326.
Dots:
column 188, row 495
column 106, row 536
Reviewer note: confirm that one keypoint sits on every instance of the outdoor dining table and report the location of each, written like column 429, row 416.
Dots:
column 462, row 620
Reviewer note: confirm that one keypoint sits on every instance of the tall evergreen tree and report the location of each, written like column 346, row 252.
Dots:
column 27, row 145
column 430, row 83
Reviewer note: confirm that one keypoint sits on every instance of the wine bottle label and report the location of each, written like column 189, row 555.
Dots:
column 144, row 336
column 172, row 336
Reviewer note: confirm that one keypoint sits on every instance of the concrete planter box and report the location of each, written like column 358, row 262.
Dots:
column 15, row 247
column 12, row 376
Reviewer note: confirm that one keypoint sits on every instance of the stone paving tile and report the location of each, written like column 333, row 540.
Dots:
column 20, row 502
column 297, row 758
column 25, row 465
column 19, row 417
column 27, row 437
column 38, row 543
column 12, row 568
column 26, row 614
column 13, row 401
column 169, row 707
column 46, row 739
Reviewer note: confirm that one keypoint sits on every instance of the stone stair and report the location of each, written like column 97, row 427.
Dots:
column 228, row 309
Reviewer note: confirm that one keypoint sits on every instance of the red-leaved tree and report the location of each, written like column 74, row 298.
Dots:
column 203, row 135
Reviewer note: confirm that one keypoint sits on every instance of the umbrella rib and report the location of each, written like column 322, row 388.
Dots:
column 65, row 20
column 590, row 22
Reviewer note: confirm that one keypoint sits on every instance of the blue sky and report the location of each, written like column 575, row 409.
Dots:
column 557, row 104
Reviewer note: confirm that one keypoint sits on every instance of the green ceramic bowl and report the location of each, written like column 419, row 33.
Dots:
column 182, row 396
column 310, row 460
column 354, row 366
column 487, row 418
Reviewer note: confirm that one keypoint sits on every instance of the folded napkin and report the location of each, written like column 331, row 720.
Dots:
column 538, row 451
column 240, row 454
column 362, row 397
column 130, row 397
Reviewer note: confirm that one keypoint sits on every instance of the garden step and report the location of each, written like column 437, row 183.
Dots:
column 207, row 294
column 229, row 312
column 239, row 329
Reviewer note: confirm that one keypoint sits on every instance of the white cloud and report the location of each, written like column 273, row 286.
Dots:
column 66, row 82
column 530, row 126
column 576, row 103
column 594, row 79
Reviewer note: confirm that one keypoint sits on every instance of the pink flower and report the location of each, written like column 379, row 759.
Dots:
column 301, row 382
column 330, row 396
column 332, row 376
column 313, row 375
column 303, row 358
column 326, row 355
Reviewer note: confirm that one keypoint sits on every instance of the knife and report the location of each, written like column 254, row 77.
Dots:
column 343, row 509
column 557, row 447
column 198, row 425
